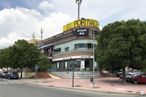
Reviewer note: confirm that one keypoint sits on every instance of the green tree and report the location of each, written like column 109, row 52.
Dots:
column 5, row 57
column 44, row 63
column 24, row 55
column 122, row 44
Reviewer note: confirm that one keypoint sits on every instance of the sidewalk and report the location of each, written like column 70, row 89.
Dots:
column 103, row 84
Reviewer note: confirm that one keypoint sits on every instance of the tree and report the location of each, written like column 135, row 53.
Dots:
column 44, row 63
column 122, row 44
column 24, row 55
column 5, row 57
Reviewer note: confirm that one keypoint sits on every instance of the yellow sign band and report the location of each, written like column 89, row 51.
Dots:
column 80, row 23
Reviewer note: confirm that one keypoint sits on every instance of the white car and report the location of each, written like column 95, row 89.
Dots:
column 130, row 75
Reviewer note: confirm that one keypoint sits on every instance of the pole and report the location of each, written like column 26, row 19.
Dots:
column 78, row 11
column 41, row 34
column 93, row 61
column 73, row 75
column 79, row 4
column 36, row 76
column 36, row 73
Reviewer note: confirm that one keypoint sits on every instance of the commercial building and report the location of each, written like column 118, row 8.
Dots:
column 73, row 47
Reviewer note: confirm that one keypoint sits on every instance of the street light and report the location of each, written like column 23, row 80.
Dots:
column 79, row 4
column 93, row 75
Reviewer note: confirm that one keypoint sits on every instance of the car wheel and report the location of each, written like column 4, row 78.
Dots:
column 135, row 82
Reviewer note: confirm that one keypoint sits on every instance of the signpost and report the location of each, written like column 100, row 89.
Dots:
column 73, row 66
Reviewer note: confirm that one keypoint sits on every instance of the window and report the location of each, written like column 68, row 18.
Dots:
column 83, row 46
column 67, row 49
column 89, row 45
column 80, row 46
column 58, row 50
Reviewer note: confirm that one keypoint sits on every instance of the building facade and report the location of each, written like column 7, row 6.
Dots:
column 73, row 47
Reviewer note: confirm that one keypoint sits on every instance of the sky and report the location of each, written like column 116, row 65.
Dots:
column 19, row 19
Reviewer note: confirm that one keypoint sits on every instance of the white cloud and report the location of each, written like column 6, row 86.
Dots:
column 10, row 39
column 54, row 23
column 45, row 7
column 106, row 11
column 20, row 23
column 51, row 16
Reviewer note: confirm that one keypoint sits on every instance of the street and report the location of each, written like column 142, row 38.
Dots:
column 12, row 88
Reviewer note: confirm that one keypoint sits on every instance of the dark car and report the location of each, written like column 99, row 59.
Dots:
column 3, row 74
column 139, row 79
column 0, row 75
column 12, row 75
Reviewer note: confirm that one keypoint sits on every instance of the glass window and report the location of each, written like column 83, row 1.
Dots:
column 76, row 46
column 83, row 46
column 89, row 45
column 58, row 50
column 67, row 49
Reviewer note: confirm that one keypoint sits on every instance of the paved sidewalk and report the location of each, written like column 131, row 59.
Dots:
column 104, row 84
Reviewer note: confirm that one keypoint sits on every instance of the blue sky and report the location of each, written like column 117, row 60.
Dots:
column 30, row 4
column 20, row 18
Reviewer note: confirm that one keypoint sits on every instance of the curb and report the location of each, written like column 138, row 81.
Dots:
column 79, row 89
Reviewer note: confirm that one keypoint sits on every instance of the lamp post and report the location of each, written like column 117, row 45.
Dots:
column 79, row 4
column 93, row 75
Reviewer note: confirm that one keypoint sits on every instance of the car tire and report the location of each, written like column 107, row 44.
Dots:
column 135, row 82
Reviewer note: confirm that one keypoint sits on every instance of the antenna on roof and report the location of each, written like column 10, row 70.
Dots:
column 33, row 35
column 42, row 34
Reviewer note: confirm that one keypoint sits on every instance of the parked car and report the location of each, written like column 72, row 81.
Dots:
column 139, row 79
column 119, row 73
column 130, row 75
column 0, row 75
column 12, row 75
column 3, row 74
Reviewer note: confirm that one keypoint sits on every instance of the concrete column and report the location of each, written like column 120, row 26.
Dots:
column 82, row 67
column 65, row 64
column 57, row 65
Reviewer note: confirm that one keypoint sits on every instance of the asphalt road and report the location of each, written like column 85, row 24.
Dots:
column 14, row 89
